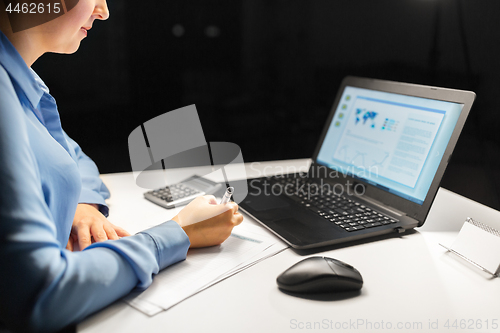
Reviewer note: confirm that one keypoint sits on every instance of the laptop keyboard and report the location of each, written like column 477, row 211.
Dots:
column 337, row 209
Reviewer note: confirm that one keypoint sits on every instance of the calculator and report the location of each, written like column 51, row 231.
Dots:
column 183, row 192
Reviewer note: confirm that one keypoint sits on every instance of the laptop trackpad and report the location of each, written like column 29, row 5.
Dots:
column 261, row 203
column 295, row 231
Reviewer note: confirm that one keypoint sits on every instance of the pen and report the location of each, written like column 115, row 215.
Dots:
column 227, row 195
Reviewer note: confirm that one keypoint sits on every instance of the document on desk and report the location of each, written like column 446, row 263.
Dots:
column 204, row 267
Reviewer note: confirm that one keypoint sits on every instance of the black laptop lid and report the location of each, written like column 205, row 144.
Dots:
column 394, row 138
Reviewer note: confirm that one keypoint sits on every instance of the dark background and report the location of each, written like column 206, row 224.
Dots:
column 264, row 73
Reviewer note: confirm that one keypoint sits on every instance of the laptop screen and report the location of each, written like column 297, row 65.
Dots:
column 394, row 142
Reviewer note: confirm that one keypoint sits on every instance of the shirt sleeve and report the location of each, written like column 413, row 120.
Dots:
column 44, row 287
column 94, row 191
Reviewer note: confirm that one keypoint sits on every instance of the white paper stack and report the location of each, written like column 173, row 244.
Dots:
column 204, row 267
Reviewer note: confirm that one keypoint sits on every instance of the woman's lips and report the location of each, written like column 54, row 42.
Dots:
column 85, row 30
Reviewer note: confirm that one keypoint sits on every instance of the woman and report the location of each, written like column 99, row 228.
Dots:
column 50, row 189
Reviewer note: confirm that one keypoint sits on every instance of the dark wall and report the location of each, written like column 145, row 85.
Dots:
column 263, row 73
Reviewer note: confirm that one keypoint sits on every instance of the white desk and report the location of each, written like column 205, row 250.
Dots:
column 410, row 282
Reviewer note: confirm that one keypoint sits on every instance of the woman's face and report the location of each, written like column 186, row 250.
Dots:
column 64, row 34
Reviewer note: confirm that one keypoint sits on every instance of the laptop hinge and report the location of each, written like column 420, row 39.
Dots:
column 381, row 205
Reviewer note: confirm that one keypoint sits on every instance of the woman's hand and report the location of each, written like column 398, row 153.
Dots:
column 90, row 224
column 207, row 223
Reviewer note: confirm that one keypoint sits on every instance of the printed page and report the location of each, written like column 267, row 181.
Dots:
column 202, row 267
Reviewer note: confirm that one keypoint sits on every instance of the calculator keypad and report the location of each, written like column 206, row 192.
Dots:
column 175, row 192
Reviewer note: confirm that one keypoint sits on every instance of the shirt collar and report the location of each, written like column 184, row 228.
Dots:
column 21, row 74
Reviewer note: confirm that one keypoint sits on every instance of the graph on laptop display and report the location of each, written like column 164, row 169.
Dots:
column 390, row 140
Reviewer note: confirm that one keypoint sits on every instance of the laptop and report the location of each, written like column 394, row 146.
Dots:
column 376, row 168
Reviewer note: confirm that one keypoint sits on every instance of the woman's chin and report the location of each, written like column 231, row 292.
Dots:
column 67, row 48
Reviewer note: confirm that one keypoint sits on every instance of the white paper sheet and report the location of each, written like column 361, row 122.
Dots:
column 205, row 267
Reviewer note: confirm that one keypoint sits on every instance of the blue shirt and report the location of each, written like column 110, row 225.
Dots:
column 43, row 176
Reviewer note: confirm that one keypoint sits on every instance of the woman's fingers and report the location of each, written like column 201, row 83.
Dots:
column 121, row 232
column 211, row 199
column 110, row 232
column 238, row 218
column 233, row 206
column 98, row 232
column 69, row 246
column 83, row 233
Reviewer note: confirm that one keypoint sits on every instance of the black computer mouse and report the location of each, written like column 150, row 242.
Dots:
column 320, row 275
